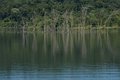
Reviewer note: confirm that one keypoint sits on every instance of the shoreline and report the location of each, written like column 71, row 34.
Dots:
column 20, row 30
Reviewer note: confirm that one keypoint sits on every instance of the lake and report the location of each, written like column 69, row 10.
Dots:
column 79, row 55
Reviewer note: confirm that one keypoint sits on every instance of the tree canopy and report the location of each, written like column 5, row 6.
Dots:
column 33, row 12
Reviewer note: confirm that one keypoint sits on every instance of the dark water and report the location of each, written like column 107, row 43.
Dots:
column 84, row 55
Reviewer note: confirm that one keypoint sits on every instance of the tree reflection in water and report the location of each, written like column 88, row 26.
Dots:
column 53, row 51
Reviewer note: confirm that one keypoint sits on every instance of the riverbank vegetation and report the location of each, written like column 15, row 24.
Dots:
column 52, row 15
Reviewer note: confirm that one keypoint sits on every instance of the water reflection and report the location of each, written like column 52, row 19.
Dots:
column 82, row 55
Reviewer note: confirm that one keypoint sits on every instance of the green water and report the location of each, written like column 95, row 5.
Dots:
column 83, row 55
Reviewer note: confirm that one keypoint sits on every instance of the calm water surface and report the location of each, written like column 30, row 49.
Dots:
column 84, row 55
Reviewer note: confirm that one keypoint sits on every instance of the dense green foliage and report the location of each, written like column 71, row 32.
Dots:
column 41, row 14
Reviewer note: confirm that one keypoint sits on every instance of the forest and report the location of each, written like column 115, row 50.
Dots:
column 52, row 15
